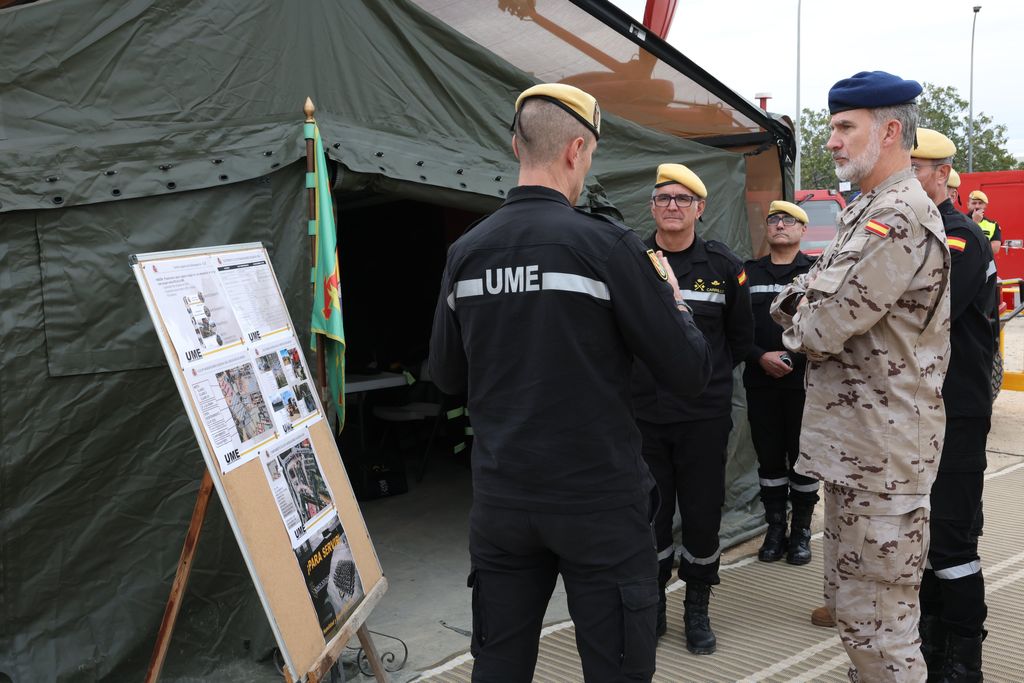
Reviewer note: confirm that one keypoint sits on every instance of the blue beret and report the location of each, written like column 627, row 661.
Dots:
column 870, row 90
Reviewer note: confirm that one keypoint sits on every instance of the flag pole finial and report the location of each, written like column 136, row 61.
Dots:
column 308, row 110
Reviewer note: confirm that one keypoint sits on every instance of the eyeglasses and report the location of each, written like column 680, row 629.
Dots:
column 776, row 218
column 917, row 167
column 682, row 200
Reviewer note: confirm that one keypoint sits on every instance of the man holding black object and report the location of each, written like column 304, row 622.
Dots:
column 541, row 312
column 774, row 380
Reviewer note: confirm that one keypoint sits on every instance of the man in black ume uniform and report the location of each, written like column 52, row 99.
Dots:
column 685, row 436
column 541, row 312
column 953, row 609
column 774, row 380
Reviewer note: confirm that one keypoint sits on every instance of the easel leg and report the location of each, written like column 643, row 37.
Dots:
column 371, row 654
column 188, row 552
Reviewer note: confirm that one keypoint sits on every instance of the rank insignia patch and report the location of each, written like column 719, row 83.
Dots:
column 662, row 273
column 880, row 229
column 742, row 277
column 956, row 243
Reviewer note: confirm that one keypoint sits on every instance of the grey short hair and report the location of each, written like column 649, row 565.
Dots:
column 907, row 114
column 543, row 130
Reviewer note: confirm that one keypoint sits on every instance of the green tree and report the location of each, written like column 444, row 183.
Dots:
column 816, row 168
column 942, row 109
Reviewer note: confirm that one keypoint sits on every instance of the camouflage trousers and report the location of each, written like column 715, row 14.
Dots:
column 874, row 551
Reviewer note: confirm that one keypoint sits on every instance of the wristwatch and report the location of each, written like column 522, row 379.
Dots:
column 683, row 306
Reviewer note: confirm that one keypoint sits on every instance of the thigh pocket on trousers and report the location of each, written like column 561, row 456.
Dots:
column 639, row 614
column 894, row 546
column 479, row 620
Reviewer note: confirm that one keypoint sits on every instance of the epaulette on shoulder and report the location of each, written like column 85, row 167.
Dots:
column 717, row 247
column 475, row 223
column 603, row 218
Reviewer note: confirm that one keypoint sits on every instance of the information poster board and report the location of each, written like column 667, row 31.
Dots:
column 253, row 403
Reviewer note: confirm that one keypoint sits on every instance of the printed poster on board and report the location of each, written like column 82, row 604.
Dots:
column 332, row 579
column 249, row 283
column 195, row 310
column 231, row 406
column 300, row 489
column 286, row 383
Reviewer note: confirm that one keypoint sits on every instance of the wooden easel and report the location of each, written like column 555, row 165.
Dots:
column 332, row 652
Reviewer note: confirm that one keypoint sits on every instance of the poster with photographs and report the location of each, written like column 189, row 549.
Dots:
column 298, row 484
column 197, row 313
column 232, row 408
column 286, row 383
column 249, row 283
column 331, row 576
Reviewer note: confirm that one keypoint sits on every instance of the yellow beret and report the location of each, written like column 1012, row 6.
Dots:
column 931, row 144
column 954, row 179
column 580, row 104
column 677, row 173
column 779, row 206
column 978, row 194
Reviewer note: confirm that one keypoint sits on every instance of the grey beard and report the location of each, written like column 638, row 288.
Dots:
column 857, row 168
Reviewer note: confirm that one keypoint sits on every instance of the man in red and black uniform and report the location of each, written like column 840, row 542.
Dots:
column 953, row 606
column 685, row 439
column 774, row 380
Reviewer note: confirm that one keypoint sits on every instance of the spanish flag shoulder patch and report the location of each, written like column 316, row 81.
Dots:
column 956, row 243
column 742, row 277
column 880, row 229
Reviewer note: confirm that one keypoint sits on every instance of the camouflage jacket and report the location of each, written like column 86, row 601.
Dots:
column 872, row 316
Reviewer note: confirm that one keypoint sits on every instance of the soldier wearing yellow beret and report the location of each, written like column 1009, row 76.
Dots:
column 977, row 207
column 774, row 380
column 685, row 437
column 542, row 310
column 952, row 589
column 953, row 185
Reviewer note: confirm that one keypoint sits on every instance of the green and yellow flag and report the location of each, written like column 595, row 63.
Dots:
column 326, row 289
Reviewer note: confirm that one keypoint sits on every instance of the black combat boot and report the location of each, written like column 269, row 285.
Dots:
column 700, row 639
column 963, row 659
column 800, row 535
column 774, row 546
column 933, row 645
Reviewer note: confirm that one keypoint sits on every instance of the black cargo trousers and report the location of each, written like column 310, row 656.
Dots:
column 608, row 566
column 953, row 586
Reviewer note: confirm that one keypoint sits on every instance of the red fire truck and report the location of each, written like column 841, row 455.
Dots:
column 822, row 207
column 1005, row 192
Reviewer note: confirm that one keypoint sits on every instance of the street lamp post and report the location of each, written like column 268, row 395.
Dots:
column 970, row 115
column 796, row 166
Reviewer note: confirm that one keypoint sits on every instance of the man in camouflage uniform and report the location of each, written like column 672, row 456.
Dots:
column 872, row 316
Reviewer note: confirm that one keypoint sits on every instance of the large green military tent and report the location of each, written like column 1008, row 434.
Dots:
column 152, row 125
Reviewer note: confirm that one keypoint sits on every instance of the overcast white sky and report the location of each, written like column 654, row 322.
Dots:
column 750, row 45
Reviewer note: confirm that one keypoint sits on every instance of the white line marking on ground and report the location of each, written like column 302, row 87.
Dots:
column 1005, row 470
column 808, row 652
column 795, row 659
column 838, row 659
column 823, row 668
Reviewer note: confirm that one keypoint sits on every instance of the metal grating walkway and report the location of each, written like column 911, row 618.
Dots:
column 760, row 614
